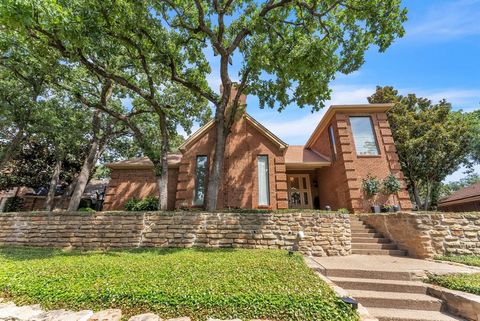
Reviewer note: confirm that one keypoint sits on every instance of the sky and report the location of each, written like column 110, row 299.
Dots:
column 439, row 57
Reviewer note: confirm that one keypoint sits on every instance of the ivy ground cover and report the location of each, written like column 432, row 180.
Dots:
column 461, row 282
column 199, row 283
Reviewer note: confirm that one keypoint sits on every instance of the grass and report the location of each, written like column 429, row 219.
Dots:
column 462, row 282
column 199, row 283
column 473, row 260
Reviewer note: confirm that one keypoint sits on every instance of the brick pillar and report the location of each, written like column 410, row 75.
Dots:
column 182, row 199
column 281, row 183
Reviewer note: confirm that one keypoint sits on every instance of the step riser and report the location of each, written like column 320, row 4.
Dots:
column 362, row 274
column 363, row 230
column 373, row 246
column 370, row 240
column 379, row 252
column 351, row 285
column 434, row 305
column 369, row 235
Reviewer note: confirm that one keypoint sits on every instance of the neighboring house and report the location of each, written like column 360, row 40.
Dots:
column 465, row 200
column 34, row 199
column 262, row 171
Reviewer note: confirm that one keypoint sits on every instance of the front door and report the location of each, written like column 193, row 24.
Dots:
column 299, row 194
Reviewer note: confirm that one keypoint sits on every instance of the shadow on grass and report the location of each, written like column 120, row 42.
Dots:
column 36, row 253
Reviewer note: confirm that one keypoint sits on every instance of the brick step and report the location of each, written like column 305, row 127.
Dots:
column 410, row 315
column 373, row 246
column 397, row 300
column 380, row 285
column 367, row 274
column 379, row 252
column 370, row 240
column 366, row 234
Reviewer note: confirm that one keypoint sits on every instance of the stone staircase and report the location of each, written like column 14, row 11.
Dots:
column 387, row 295
column 367, row 241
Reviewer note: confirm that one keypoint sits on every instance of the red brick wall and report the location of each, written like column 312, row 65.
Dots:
column 240, row 185
column 136, row 183
column 341, row 184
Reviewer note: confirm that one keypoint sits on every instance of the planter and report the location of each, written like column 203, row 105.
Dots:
column 388, row 209
column 396, row 208
column 376, row 209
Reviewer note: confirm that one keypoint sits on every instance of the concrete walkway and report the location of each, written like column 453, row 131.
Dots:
column 392, row 264
column 390, row 287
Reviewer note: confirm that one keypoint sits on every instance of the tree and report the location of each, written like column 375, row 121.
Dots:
column 451, row 187
column 474, row 117
column 286, row 51
column 432, row 141
column 109, row 41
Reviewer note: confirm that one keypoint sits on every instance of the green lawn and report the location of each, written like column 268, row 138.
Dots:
column 172, row 282
column 462, row 282
column 473, row 260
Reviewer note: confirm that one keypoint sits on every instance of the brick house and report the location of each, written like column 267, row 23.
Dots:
column 262, row 171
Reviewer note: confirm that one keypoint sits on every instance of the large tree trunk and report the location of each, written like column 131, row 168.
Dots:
column 53, row 186
column 215, row 178
column 416, row 194
column 84, row 175
column 162, row 173
column 428, row 196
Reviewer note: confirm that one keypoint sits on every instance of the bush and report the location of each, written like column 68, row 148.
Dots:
column 390, row 184
column 371, row 186
column 149, row 203
column 343, row 211
column 86, row 209
column 14, row 204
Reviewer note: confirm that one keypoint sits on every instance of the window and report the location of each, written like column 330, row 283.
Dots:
column 263, row 189
column 200, row 180
column 333, row 145
column 364, row 136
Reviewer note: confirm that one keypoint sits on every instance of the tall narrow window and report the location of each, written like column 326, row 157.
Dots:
column 363, row 135
column 263, row 190
column 200, row 178
column 333, row 145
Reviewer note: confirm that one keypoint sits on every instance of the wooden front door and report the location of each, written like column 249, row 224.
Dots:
column 299, row 192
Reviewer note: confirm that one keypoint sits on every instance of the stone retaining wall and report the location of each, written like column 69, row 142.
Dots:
column 325, row 234
column 425, row 235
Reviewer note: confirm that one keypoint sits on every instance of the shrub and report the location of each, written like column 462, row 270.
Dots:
column 390, row 184
column 343, row 211
column 14, row 204
column 149, row 203
column 371, row 186
column 86, row 209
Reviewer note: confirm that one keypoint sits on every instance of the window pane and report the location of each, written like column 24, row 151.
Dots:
column 305, row 198
column 363, row 135
column 304, row 181
column 200, row 177
column 263, row 189
column 294, row 182
column 333, row 145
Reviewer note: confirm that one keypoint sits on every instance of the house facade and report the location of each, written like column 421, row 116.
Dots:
column 261, row 171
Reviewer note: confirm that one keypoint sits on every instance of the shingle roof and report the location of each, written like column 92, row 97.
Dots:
column 464, row 193
column 143, row 162
column 301, row 155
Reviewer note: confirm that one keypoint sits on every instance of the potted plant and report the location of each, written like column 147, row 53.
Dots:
column 387, row 208
column 391, row 185
column 371, row 187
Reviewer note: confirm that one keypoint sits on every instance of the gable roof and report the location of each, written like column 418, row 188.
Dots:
column 205, row 128
column 144, row 162
column 332, row 110
column 466, row 194
column 298, row 155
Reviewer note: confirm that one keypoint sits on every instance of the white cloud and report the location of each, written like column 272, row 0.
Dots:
column 446, row 20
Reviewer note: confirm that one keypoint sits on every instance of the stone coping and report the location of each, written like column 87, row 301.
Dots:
column 423, row 214
column 465, row 305
column 169, row 213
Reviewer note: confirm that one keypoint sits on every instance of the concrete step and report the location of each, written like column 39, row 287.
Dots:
column 396, row 300
column 366, row 234
column 380, row 285
column 410, row 315
column 363, row 230
column 367, row 274
column 370, row 240
column 373, row 246
column 379, row 252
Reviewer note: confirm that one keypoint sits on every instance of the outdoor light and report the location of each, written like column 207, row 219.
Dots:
column 328, row 208
column 301, row 235
column 350, row 301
